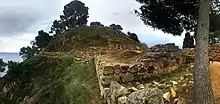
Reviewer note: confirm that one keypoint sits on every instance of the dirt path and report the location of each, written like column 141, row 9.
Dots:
column 215, row 77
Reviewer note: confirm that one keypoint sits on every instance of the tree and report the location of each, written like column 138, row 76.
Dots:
column 42, row 40
column 188, row 41
column 75, row 14
column 15, row 69
column 96, row 24
column 174, row 17
column 2, row 65
column 203, row 93
column 28, row 52
column 133, row 36
column 116, row 27
column 58, row 27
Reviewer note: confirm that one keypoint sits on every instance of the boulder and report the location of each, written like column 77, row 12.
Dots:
column 171, row 48
column 116, row 90
column 122, row 100
column 146, row 96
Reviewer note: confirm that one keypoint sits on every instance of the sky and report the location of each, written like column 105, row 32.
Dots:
column 20, row 20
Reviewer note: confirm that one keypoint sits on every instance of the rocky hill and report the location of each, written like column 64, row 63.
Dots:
column 57, row 75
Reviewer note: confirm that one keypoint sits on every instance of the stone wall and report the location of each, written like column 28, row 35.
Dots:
column 129, row 74
column 214, row 53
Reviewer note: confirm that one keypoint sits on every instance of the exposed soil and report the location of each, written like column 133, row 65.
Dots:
column 215, row 78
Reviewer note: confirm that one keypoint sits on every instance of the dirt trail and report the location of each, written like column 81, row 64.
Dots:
column 215, row 77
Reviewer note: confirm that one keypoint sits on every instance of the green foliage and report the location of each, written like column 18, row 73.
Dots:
column 188, row 41
column 96, row 24
column 61, row 80
column 15, row 69
column 58, row 27
column 133, row 36
column 172, row 16
column 42, row 40
column 75, row 14
column 2, row 65
column 28, row 52
column 116, row 27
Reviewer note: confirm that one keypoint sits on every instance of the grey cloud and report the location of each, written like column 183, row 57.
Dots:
column 26, row 16
column 12, row 23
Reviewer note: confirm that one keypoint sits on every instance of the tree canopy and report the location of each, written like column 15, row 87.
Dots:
column 96, row 24
column 28, row 52
column 172, row 16
column 133, row 36
column 42, row 40
column 188, row 41
column 74, row 14
column 116, row 27
column 2, row 65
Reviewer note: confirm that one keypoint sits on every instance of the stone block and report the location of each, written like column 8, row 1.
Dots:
column 146, row 75
column 124, row 67
column 127, row 77
column 117, row 71
column 106, row 80
column 117, row 78
column 133, row 69
column 138, row 77
column 108, row 70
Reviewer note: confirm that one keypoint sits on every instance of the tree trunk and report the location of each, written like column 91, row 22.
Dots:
column 203, row 93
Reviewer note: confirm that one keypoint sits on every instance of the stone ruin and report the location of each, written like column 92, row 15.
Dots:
column 214, row 53
column 169, row 47
column 123, row 83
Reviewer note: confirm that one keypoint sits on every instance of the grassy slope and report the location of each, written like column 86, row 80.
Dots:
column 61, row 80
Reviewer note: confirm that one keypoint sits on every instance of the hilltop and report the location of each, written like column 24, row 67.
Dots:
column 92, row 40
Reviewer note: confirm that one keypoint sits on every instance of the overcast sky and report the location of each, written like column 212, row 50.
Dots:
column 21, row 19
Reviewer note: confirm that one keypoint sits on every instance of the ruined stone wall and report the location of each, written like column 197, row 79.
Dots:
column 214, row 53
column 130, row 74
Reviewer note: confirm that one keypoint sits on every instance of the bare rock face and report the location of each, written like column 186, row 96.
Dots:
column 146, row 96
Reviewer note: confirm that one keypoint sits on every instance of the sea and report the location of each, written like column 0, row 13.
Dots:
column 9, row 57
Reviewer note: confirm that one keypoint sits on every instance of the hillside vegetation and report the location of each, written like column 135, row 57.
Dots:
column 50, row 80
column 88, row 37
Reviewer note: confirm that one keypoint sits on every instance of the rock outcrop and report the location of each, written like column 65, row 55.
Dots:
column 119, row 94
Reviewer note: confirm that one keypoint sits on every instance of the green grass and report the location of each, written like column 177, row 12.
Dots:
column 61, row 80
